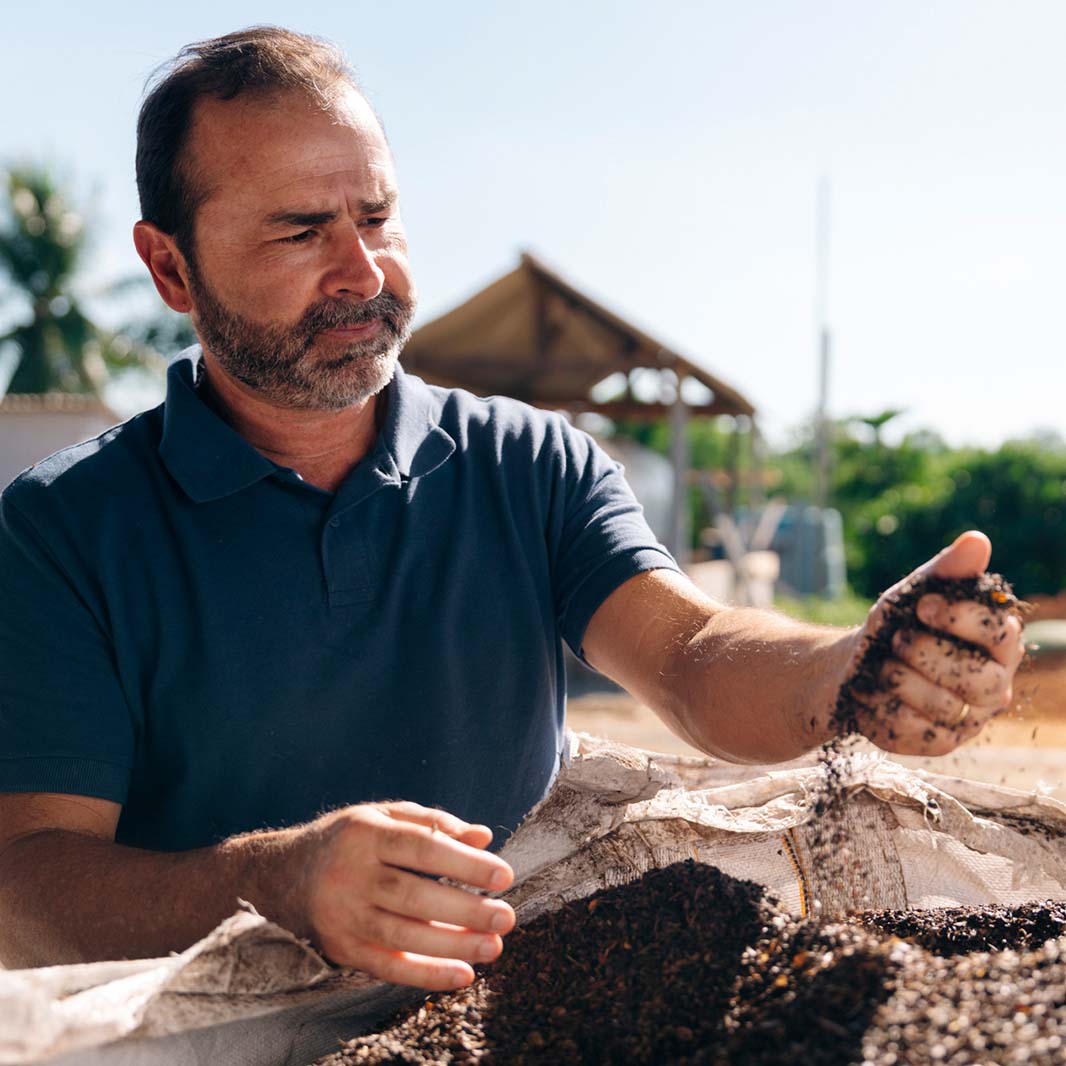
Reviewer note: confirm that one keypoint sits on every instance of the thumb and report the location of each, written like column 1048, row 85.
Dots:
column 968, row 556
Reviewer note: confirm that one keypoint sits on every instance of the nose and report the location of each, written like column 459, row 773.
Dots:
column 355, row 272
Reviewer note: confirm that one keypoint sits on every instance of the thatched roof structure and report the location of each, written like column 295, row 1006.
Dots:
column 533, row 336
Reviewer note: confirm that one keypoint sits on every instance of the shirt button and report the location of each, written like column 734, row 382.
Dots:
column 334, row 522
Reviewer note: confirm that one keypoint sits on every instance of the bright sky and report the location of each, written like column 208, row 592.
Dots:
column 666, row 160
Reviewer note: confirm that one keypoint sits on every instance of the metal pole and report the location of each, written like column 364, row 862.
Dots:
column 822, row 458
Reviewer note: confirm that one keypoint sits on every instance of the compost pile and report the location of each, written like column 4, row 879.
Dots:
column 688, row 965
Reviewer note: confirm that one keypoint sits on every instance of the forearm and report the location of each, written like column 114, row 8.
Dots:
column 753, row 686
column 744, row 684
column 71, row 897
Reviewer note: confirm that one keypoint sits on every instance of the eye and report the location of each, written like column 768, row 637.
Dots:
column 376, row 222
column 298, row 238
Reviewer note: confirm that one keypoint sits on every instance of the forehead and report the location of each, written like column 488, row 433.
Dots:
column 253, row 152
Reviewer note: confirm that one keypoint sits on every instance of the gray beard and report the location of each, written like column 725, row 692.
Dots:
column 278, row 361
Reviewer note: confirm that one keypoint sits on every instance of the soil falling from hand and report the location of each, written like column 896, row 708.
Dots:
column 867, row 687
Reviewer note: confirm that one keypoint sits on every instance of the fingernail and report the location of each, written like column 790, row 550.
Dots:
column 500, row 922
column 487, row 950
column 499, row 881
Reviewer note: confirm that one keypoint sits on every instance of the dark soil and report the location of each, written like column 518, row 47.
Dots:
column 959, row 930
column 690, row 966
column 636, row 974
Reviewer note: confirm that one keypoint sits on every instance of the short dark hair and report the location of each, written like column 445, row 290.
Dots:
column 261, row 59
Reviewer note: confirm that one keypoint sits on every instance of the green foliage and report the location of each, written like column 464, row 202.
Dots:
column 902, row 503
column 42, row 248
column 709, row 440
column 1017, row 495
column 848, row 610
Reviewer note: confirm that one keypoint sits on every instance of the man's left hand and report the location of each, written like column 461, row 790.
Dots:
column 937, row 694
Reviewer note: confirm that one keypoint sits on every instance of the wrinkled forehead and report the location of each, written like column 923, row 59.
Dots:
column 260, row 143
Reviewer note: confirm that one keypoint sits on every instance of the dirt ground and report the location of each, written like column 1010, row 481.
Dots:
column 1025, row 749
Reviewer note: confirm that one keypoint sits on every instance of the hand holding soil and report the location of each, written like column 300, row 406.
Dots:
column 936, row 658
column 367, row 904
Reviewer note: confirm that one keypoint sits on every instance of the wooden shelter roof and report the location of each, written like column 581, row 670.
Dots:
column 533, row 336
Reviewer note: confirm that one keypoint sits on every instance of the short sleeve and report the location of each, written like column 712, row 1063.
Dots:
column 602, row 538
column 64, row 722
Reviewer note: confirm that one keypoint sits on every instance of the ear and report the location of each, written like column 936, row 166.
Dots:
column 165, row 263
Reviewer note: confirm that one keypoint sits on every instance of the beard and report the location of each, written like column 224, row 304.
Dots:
column 277, row 360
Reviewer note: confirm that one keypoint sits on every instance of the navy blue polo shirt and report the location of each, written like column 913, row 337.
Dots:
column 192, row 631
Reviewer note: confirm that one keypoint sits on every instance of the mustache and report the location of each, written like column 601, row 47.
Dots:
column 335, row 314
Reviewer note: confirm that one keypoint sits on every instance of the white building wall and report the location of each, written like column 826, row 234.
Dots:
column 33, row 427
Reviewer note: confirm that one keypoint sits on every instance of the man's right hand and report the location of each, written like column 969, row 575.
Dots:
column 370, row 906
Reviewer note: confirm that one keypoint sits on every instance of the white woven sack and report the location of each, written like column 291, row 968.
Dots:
column 911, row 838
column 251, row 994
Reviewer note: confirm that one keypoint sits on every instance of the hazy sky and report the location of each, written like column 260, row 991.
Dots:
column 667, row 162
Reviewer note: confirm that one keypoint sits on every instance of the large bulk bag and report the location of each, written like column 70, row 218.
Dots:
column 886, row 837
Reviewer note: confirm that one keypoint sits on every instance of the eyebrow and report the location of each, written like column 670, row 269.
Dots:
column 288, row 217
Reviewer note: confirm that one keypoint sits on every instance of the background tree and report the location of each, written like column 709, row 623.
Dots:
column 1016, row 494
column 58, row 347
column 901, row 503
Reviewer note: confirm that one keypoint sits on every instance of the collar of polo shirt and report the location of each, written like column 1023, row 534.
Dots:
column 210, row 460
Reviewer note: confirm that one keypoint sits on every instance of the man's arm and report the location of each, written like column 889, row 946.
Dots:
column 69, row 893
column 752, row 686
column 735, row 682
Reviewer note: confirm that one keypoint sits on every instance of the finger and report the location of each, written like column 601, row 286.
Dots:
column 932, row 702
column 414, row 847
column 417, row 897
column 899, row 728
column 967, row 556
column 970, row 675
column 436, row 819
column 408, row 968
column 969, row 729
column 477, row 836
column 1000, row 634
column 373, row 925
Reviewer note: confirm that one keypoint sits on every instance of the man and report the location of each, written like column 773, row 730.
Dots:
column 308, row 583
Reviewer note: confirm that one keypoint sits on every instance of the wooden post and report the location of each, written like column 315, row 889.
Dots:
column 733, row 493
column 758, row 490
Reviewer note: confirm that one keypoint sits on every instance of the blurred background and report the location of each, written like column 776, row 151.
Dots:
column 798, row 266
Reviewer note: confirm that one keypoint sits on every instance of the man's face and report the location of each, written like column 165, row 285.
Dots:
column 299, row 278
